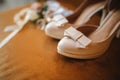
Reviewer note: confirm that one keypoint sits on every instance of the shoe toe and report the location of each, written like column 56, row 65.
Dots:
column 67, row 45
column 54, row 31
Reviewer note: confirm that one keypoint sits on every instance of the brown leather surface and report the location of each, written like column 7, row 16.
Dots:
column 31, row 55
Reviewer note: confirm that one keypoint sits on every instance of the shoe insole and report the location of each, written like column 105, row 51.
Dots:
column 107, row 28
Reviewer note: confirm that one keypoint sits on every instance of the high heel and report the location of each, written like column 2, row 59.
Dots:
column 56, row 28
column 118, row 34
column 76, row 44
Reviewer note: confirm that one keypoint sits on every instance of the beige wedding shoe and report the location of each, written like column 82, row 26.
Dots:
column 76, row 44
column 59, row 23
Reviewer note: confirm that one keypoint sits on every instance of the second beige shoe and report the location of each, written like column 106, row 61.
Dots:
column 57, row 26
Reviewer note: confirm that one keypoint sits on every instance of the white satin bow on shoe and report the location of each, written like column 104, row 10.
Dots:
column 56, row 27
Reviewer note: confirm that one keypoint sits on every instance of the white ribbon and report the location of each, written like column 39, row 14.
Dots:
column 10, row 28
column 30, row 16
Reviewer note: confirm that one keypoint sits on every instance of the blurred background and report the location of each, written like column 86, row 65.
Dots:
column 8, row 4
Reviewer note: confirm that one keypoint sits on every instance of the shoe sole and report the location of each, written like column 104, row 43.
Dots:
column 77, row 56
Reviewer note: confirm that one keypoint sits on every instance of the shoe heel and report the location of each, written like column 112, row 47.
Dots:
column 118, row 32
